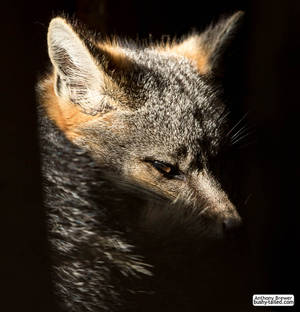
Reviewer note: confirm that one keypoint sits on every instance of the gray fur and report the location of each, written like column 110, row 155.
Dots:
column 110, row 232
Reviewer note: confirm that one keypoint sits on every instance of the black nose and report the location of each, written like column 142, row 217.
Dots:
column 232, row 227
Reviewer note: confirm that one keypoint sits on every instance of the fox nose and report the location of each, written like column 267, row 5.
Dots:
column 232, row 227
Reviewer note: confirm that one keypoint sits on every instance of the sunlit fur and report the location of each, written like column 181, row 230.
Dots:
column 115, row 222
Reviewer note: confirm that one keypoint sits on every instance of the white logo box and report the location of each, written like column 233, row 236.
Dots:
column 269, row 300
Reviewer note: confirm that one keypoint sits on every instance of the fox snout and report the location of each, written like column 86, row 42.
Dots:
column 226, row 225
column 220, row 221
column 196, row 205
column 221, row 216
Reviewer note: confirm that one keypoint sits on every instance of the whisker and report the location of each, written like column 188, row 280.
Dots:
column 244, row 132
column 239, row 132
column 237, row 124
column 243, row 135
column 240, row 138
column 224, row 115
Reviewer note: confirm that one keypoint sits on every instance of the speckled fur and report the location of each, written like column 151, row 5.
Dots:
column 118, row 229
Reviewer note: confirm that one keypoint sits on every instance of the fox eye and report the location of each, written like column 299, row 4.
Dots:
column 169, row 171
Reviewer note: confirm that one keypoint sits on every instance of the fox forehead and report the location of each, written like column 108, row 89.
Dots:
column 181, row 110
column 172, row 98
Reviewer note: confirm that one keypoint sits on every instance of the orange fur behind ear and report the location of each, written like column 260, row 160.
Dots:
column 116, row 53
column 66, row 115
column 192, row 50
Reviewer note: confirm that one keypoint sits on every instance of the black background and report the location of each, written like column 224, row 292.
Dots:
column 263, row 80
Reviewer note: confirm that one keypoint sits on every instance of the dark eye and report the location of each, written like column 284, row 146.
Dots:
column 168, row 170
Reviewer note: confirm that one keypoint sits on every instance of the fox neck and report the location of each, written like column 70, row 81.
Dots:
column 82, row 230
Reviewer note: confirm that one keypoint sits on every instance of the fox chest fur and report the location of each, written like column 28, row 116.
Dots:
column 128, row 137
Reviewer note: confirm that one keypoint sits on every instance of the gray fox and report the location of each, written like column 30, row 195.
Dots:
column 129, row 133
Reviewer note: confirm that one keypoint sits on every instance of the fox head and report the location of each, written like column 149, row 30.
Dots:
column 150, row 115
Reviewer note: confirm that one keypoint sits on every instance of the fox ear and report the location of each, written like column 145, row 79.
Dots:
column 78, row 77
column 206, row 50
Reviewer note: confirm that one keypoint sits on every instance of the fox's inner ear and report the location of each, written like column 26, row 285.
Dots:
column 206, row 50
column 78, row 77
